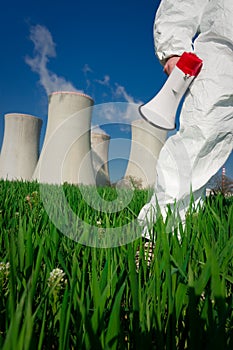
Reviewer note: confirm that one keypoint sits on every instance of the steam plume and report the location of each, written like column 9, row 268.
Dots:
column 44, row 49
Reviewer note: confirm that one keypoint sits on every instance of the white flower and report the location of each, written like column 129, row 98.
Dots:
column 4, row 272
column 57, row 278
column 4, row 267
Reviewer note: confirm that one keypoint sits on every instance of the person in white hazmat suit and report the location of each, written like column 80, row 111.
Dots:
column 205, row 138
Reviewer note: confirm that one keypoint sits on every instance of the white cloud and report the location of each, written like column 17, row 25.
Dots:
column 105, row 81
column 44, row 49
column 87, row 69
column 115, row 112
column 120, row 91
column 116, row 91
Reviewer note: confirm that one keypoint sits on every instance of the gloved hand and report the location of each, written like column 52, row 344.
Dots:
column 170, row 64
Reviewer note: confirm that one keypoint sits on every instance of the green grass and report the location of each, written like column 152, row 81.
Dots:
column 183, row 300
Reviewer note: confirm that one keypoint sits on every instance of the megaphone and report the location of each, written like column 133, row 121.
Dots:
column 161, row 110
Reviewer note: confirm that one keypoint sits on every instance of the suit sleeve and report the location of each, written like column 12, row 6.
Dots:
column 176, row 23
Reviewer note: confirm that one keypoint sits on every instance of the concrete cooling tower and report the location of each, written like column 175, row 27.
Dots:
column 100, row 146
column 20, row 148
column 66, row 151
column 146, row 144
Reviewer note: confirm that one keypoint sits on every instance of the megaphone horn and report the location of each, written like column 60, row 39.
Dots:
column 161, row 110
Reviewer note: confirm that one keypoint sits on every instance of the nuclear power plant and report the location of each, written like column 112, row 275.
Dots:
column 20, row 147
column 100, row 147
column 146, row 144
column 66, row 151
column 73, row 152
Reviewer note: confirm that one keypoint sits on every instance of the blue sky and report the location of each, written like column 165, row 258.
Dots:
column 102, row 48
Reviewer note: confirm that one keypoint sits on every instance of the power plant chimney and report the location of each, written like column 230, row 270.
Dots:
column 66, row 152
column 20, row 148
column 146, row 143
column 100, row 147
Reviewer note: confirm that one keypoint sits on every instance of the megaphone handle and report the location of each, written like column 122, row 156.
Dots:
column 178, row 81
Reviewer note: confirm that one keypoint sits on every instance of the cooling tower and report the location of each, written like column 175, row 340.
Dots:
column 146, row 144
column 66, row 151
column 100, row 146
column 20, row 146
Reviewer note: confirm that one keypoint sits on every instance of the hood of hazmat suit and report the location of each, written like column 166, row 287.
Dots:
column 204, row 141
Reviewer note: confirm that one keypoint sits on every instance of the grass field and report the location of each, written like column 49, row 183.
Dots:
column 59, row 294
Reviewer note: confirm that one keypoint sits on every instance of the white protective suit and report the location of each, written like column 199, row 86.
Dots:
column 205, row 138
